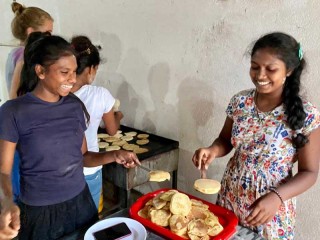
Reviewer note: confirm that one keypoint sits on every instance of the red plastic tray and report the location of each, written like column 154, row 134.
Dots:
column 227, row 219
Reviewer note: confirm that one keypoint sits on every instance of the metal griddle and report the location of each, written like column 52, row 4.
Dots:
column 163, row 154
column 156, row 143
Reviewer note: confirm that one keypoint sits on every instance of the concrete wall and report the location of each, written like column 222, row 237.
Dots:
column 174, row 64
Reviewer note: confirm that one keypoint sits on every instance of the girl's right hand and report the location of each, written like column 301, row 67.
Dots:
column 203, row 157
column 9, row 220
column 118, row 115
column 126, row 158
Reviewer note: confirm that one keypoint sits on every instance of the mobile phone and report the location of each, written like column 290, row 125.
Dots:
column 114, row 232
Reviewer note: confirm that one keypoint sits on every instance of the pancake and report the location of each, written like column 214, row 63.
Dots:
column 127, row 138
column 180, row 204
column 197, row 227
column 158, row 176
column 103, row 144
column 143, row 136
column 119, row 143
column 111, row 139
column 199, row 203
column 129, row 147
column 132, row 134
column 160, row 217
column 207, row 186
column 140, row 150
column 103, row 135
column 113, row 148
column 179, row 224
column 168, row 195
column 116, row 105
column 142, row 141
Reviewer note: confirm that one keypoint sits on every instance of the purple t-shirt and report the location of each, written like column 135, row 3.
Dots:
column 49, row 137
column 14, row 56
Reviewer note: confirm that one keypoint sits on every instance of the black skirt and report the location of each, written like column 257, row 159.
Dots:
column 55, row 221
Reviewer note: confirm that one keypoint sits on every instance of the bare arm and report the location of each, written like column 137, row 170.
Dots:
column 308, row 168
column 219, row 148
column 16, row 80
column 112, row 121
column 10, row 213
column 93, row 159
column 6, row 162
column 266, row 207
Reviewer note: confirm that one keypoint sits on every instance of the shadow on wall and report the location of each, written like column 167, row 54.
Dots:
column 196, row 117
column 129, row 102
column 116, row 83
column 195, row 109
column 163, row 118
column 111, row 51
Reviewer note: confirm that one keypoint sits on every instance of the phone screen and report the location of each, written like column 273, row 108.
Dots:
column 114, row 232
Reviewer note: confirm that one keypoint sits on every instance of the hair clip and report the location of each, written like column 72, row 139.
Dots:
column 299, row 131
column 300, row 52
column 87, row 51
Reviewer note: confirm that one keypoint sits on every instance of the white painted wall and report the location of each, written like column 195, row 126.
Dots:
column 174, row 64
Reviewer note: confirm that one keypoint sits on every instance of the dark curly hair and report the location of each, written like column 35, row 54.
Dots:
column 287, row 49
column 87, row 54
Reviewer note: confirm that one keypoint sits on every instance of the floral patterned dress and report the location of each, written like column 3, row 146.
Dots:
column 263, row 158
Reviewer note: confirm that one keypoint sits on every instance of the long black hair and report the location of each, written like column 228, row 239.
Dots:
column 43, row 49
column 287, row 49
column 87, row 54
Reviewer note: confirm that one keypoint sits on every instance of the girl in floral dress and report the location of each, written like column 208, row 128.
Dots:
column 270, row 128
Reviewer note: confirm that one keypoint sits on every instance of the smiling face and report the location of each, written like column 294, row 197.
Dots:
column 57, row 79
column 267, row 71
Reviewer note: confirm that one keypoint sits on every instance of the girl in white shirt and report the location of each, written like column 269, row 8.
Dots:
column 99, row 103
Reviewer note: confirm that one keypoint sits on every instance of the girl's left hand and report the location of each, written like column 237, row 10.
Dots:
column 263, row 209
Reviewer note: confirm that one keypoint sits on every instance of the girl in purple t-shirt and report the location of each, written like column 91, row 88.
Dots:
column 46, row 124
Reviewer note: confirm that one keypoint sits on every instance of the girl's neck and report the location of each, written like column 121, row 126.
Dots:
column 80, row 82
column 45, row 95
column 267, row 102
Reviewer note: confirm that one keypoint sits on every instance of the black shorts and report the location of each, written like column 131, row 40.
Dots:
column 57, row 220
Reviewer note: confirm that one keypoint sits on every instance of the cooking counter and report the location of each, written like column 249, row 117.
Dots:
column 241, row 234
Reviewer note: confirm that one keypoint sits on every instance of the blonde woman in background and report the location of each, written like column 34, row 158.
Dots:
column 26, row 21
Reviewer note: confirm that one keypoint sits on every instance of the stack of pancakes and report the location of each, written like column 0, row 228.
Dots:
column 188, row 218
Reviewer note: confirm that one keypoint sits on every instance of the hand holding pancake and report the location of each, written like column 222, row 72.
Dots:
column 203, row 157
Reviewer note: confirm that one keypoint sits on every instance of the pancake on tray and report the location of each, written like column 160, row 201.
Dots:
column 190, row 219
